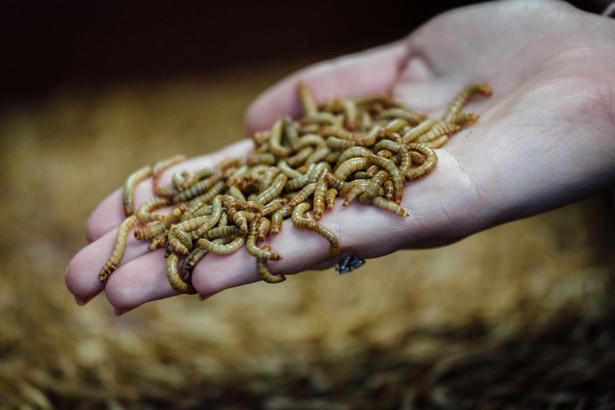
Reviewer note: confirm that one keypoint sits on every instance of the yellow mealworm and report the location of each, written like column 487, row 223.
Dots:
column 351, row 165
column 333, row 181
column 178, row 178
column 267, row 179
column 197, row 189
column 288, row 170
column 437, row 143
column 353, row 190
column 264, row 272
column 419, row 130
column 255, row 250
column 273, row 206
column 353, row 153
column 389, row 205
column 405, row 159
column 318, row 155
column 221, row 249
column 209, row 222
column 431, row 160
column 173, row 277
column 319, row 199
column 302, row 221
column 388, row 189
column 394, row 126
column 385, row 153
column 118, row 251
column 211, row 194
column 300, row 157
column 306, row 140
column 388, row 145
column 199, row 175
column 302, row 195
column 462, row 98
column 465, row 118
column 339, row 144
column 330, row 198
column 191, row 260
column 371, row 137
column 128, row 192
column 242, row 219
column 158, row 241
column 159, row 227
column 337, row 132
column 307, row 100
column 438, row 130
column 273, row 191
column 260, row 138
column 224, row 232
column 179, row 241
column 290, row 131
column 236, row 193
column 396, row 176
column 376, row 183
column 266, row 158
column 410, row 117
column 262, row 228
column 323, row 118
column 161, row 166
column 275, row 140
column 238, row 177
column 278, row 217
column 144, row 213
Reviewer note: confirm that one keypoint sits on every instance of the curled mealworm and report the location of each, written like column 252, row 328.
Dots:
column 128, row 193
column 264, row 272
column 173, row 277
column 179, row 241
column 431, row 160
column 254, row 250
column 118, row 251
column 319, row 198
column 159, row 227
column 302, row 221
column 351, row 165
column 395, row 175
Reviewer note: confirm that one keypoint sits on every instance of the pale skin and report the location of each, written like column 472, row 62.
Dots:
column 545, row 138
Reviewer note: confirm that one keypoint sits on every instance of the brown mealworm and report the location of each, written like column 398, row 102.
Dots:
column 144, row 213
column 173, row 277
column 462, row 98
column 264, row 272
column 128, row 192
column 118, row 251
column 221, row 249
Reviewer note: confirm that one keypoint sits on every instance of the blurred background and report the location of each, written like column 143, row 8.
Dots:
column 89, row 91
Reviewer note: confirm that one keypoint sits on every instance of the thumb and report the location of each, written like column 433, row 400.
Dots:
column 369, row 72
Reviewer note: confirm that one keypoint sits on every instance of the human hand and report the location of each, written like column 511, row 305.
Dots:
column 544, row 139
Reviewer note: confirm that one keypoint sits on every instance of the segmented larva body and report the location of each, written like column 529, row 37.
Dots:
column 118, row 251
column 263, row 270
column 173, row 277
column 128, row 193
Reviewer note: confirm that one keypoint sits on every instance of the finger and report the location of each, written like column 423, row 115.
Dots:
column 83, row 269
column 109, row 214
column 370, row 72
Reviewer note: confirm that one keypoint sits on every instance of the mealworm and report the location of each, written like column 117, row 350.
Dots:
column 272, row 206
column 318, row 155
column 395, row 175
column 224, row 232
column 197, row 189
column 300, row 157
column 314, row 140
column 351, row 165
column 221, row 249
column 438, row 130
column 179, row 241
column 302, row 195
column 353, row 153
column 275, row 140
column 389, row 145
column 128, row 192
column 353, row 189
column 333, row 181
column 158, row 241
column 410, row 117
column 330, row 198
column 273, row 191
column 288, row 171
column 431, row 160
column 419, row 130
column 242, row 219
column 236, row 192
column 307, row 100
column 278, row 217
column 437, row 143
column 337, row 132
column 465, row 118
column 173, row 277
column 290, row 132
column 144, row 213
column 254, row 250
column 159, row 227
column 206, row 224
column 302, row 221
column 319, row 199
column 323, row 118
column 262, row 228
column 462, row 98
column 264, row 272
column 118, row 251
column 339, row 144
column 389, row 205
column 199, row 175
column 211, row 194
column 190, row 261
column 371, row 138
column 263, row 158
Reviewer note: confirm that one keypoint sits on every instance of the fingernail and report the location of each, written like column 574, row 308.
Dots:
column 80, row 301
column 120, row 312
column 203, row 297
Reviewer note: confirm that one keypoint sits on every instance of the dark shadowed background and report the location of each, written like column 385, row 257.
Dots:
column 517, row 317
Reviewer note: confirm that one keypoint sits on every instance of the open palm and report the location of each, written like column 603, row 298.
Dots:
column 545, row 138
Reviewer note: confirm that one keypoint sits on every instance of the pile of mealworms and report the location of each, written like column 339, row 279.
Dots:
column 364, row 149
